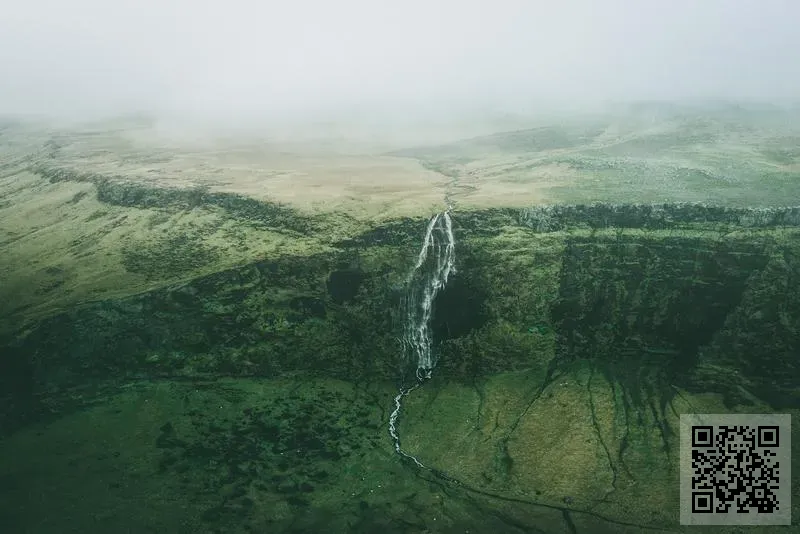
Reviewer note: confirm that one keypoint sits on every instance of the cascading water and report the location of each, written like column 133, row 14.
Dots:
column 435, row 263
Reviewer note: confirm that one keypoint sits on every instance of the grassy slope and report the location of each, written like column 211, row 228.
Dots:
column 61, row 246
column 311, row 455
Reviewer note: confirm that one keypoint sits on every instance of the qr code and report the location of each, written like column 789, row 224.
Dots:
column 735, row 469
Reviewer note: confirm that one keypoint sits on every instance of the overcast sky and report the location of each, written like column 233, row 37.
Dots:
column 246, row 56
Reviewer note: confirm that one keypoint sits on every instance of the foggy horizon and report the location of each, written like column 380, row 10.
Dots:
column 313, row 59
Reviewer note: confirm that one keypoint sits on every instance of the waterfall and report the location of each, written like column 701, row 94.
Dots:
column 435, row 263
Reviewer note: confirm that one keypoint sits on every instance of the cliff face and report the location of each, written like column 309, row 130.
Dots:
column 676, row 297
column 699, row 313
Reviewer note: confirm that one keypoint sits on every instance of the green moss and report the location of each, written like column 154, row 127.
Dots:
column 168, row 256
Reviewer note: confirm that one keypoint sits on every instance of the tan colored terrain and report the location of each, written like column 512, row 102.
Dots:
column 60, row 245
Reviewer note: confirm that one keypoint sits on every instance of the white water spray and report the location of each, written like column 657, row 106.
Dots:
column 435, row 263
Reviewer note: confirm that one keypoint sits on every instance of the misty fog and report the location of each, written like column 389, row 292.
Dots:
column 242, row 59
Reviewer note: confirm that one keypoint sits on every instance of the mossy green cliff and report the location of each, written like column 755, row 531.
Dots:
column 569, row 340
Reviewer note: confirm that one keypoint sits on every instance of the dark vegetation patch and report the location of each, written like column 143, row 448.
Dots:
column 266, row 319
column 653, row 216
column 287, row 448
column 117, row 191
column 408, row 232
column 460, row 308
column 17, row 399
column 77, row 197
column 96, row 215
column 48, row 286
column 483, row 223
column 307, row 307
column 343, row 285
column 552, row 218
column 401, row 232
column 168, row 256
